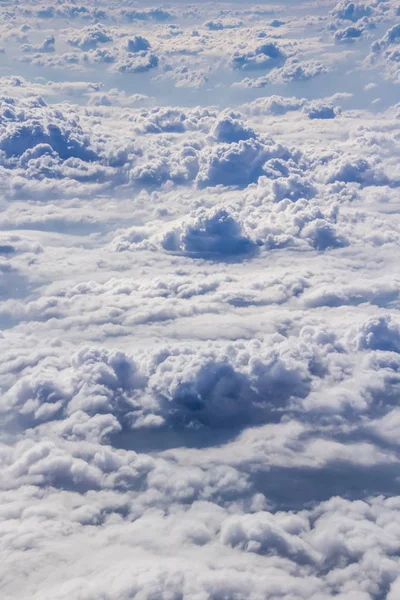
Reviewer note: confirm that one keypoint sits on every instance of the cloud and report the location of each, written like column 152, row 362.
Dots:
column 90, row 37
column 356, row 169
column 380, row 333
column 173, row 120
column 230, row 130
column 212, row 236
column 384, row 52
column 392, row 36
column 217, row 387
column 238, row 163
column 199, row 302
column 349, row 34
column 302, row 71
column 352, row 11
column 155, row 14
column 46, row 46
column 218, row 25
column 320, row 110
column 140, row 62
column 138, row 44
column 274, row 105
column 25, row 138
column 265, row 56
column 293, row 71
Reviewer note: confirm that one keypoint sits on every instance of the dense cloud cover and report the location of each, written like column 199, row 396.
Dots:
column 199, row 301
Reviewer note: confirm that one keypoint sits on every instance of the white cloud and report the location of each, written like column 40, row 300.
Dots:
column 199, row 302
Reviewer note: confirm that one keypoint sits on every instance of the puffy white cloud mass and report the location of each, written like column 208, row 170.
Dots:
column 200, row 301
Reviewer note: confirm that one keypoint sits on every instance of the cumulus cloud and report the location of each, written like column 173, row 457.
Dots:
column 380, row 333
column 385, row 52
column 141, row 63
column 293, row 71
column 392, row 36
column 352, row 11
column 138, row 44
column 215, row 235
column 238, row 163
column 274, row 105
column 46, row 46
column 349, row 34
column 320, row 110
column 199, row 301
column 25, row 138
column 230, row 130
column 266, row 56
column 90, row 37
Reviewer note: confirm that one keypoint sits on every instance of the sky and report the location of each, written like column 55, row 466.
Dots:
column 199, row 300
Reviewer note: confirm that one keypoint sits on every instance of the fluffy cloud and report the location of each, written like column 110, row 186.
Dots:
column 237, row 163
column 352, row 11
column 320, row 110
column 231, row 130
column 266, row 56
column 349, row 34
column 392, row 36
column 90, row 37
column 46, row 46
column 28, row 136
column 215, row 235
column 199, row 302
column 385, row 52
column 139, row 63
column 380, row 333
column 138, row 44
column 274, row 105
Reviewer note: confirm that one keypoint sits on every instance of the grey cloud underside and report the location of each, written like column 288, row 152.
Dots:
column 199, row 301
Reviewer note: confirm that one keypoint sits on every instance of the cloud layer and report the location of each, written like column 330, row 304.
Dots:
column 199, row 301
